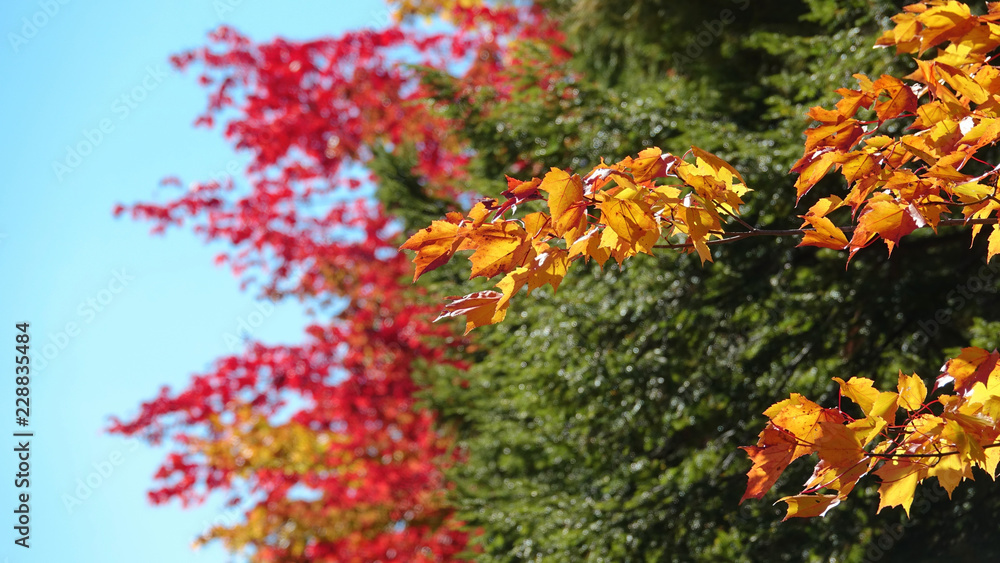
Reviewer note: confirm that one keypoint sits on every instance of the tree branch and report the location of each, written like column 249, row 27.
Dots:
column 791, row 232
column 897, row 456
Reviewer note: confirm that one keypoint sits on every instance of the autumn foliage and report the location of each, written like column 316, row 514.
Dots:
column 321, row 448
column 385, row 435
column 907, row 150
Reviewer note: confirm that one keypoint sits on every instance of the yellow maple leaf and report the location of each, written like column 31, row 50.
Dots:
column 994, row 242
column 808, row 506
column 950, row 470
column 860, row 390
column 912, row 391
column 630, row 220
column 589, row 246
column 567, row 206
column 899, row 483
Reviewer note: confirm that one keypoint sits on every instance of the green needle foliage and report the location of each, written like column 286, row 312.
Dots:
column 602, row 422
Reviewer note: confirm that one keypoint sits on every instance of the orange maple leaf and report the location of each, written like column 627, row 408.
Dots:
column 900, row 98
column 434, row 245
column 479, row 308
column 973, row 365
column 499, row 248
column 888, row 219
column 775, row 449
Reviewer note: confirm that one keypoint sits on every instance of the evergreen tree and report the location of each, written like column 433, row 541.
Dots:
column 602, row 422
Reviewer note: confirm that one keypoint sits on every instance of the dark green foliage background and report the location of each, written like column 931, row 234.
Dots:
column 602, row 422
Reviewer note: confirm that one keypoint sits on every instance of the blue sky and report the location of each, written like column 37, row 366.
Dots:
column 119, row 313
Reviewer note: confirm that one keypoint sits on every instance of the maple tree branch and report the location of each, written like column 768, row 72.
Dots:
column 988, row 197
column 737, row 217
column 741, row 236
column 896, row 456
column 791, row 232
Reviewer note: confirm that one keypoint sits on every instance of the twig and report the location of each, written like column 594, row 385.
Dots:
column 792, row 232
column 894, row 456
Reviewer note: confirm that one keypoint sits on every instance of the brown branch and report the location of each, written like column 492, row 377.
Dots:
column 895, row 456
column 791, row 232
column 737, row 217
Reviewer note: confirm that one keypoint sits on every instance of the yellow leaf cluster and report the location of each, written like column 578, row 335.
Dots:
column 946, row 442
column 615, row 211
column 951, row 109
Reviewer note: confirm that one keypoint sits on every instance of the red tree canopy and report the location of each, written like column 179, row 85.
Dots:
column 322, row 445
